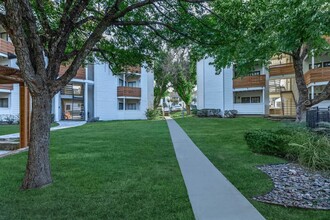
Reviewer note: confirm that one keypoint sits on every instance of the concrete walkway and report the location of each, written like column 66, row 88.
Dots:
column 211, row 195
column 62, row 125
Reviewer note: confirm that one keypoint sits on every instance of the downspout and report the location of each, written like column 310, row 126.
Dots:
column 203, row 83
column 223, row 91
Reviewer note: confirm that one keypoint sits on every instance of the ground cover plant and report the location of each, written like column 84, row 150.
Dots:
column 294, row 143
column 222, row 141
column 102, row 170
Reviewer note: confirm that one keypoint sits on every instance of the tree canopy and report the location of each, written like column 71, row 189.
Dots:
column 48, row 34
column 250, row 33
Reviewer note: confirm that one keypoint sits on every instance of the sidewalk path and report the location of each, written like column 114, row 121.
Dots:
column 211, row 195
column 62, row 125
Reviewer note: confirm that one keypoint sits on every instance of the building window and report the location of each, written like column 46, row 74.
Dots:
column 245, row 100
column 131, row 106
column 326, row 64
column 121, row 106
column 255, row 99
column 121, row 82
column 255, row 73
column 316, row 65
column 4, row 103
column 131, row 84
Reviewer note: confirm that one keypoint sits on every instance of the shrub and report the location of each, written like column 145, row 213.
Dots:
column 293, row 143
column 267, row 142
column 194, row 111
column 312, row 151
column 152, row 113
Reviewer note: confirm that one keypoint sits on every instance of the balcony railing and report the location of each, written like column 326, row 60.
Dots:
column 317, row 75
column 81, row 73
column 282, row 69
column 250, row 81
column 128, row 91
column 6, row 47
column 6, row 86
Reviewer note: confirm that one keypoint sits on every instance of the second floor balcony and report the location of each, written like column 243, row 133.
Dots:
column 317, row 75
column 7, row 86
column 81, row 73
column 250, row 81
column 281, row 69
column 125, row 91
column 6, row 47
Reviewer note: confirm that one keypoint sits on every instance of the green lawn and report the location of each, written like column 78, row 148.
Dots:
column 11, row 129
column 222, row 141
column 104, row 170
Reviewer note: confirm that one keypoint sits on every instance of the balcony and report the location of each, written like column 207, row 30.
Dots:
column 250, row 81
column 81, row 73
column 282, row 69
column 317, row 75
column 128, row 91
column 6, row 47
column 6, row 86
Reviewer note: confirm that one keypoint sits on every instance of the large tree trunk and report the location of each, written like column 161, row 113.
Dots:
column 38, row 172
column 302, row 89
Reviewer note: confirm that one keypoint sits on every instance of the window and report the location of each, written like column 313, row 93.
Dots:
column 121, row 82
column 316, row 65
column 131, row 84
column 120, row 106
column 245, row 100
column 131, row 106
column 4, row 103
column 255, row 99
column 77, row 89
column 326, row 64
column 255, row 73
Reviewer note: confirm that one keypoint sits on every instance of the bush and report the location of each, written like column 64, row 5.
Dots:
column 267, row 142
column 194, row 111
column 152, row 113
column 312, row 151
column 293, row 143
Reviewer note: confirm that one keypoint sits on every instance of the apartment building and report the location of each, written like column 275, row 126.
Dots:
column 94, row 92
column 268, row 90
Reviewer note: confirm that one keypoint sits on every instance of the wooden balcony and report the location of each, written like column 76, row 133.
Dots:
column 81, row 73
column 6, row 86
column 6, row 47
column 317, row 75
column 128, row 91
column 249, row 81
column 282, row 69
column 132, row 69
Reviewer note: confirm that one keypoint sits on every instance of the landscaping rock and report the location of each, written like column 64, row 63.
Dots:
column 209, row 113
column 297, row 187
column 230, row 113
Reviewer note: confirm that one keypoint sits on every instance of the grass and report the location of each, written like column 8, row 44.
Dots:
column 222, row 141
column 11, row 129
column 103, row 170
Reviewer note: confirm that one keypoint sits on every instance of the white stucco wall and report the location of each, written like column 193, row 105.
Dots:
column 105, row 95
column 13, row 101
column 216, row 90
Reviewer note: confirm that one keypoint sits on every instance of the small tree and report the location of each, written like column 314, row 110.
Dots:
column 162, row 78
column 183, row 74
